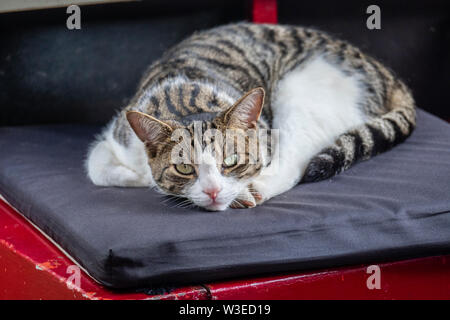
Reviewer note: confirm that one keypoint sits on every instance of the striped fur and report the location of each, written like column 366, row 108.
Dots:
column 378, row 135
column 204, row 75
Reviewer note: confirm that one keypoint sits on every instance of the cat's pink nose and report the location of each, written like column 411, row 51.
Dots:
column 212, row 193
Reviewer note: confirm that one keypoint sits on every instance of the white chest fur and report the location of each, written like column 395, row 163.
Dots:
column 311, row 107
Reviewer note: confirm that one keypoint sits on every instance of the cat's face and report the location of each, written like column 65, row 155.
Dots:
column 210, row 162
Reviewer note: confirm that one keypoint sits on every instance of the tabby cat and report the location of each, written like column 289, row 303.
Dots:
column 331, row 104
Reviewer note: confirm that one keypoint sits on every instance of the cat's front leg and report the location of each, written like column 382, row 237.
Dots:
column 280, row 176
column 248, row 198
column 105, row 169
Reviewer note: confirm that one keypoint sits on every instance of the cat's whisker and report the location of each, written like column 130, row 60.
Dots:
column 186, row 204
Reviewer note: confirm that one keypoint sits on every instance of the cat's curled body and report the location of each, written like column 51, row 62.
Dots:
column 332, row 104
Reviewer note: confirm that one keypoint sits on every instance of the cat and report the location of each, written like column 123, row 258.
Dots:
column 331, row 104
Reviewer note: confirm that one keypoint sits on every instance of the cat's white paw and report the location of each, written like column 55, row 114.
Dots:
column 104, row 169
column 120, row 176
column 262, row 187
column 248, row 198
column 244, row 200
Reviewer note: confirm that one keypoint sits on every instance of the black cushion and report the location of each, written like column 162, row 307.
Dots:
column 394, row 206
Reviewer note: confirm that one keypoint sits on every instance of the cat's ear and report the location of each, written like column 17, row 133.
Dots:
column 149, row 130
column 246, row 111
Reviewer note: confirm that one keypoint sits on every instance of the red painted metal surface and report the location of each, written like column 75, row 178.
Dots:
column 31, row 267
column 265, row 11
column 423, row 278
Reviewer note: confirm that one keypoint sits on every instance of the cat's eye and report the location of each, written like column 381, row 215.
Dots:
column 230, row 160
column 185, row 169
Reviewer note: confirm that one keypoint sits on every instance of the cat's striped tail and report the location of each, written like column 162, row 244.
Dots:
column 378, row 135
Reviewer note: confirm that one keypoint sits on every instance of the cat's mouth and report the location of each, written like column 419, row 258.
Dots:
column 216, row 206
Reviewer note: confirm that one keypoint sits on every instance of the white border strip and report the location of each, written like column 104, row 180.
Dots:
column 26, row 5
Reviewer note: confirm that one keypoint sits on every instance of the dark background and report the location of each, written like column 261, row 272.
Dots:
column 50, row 74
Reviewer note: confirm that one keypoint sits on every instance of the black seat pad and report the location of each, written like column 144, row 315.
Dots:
column 391, row 207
